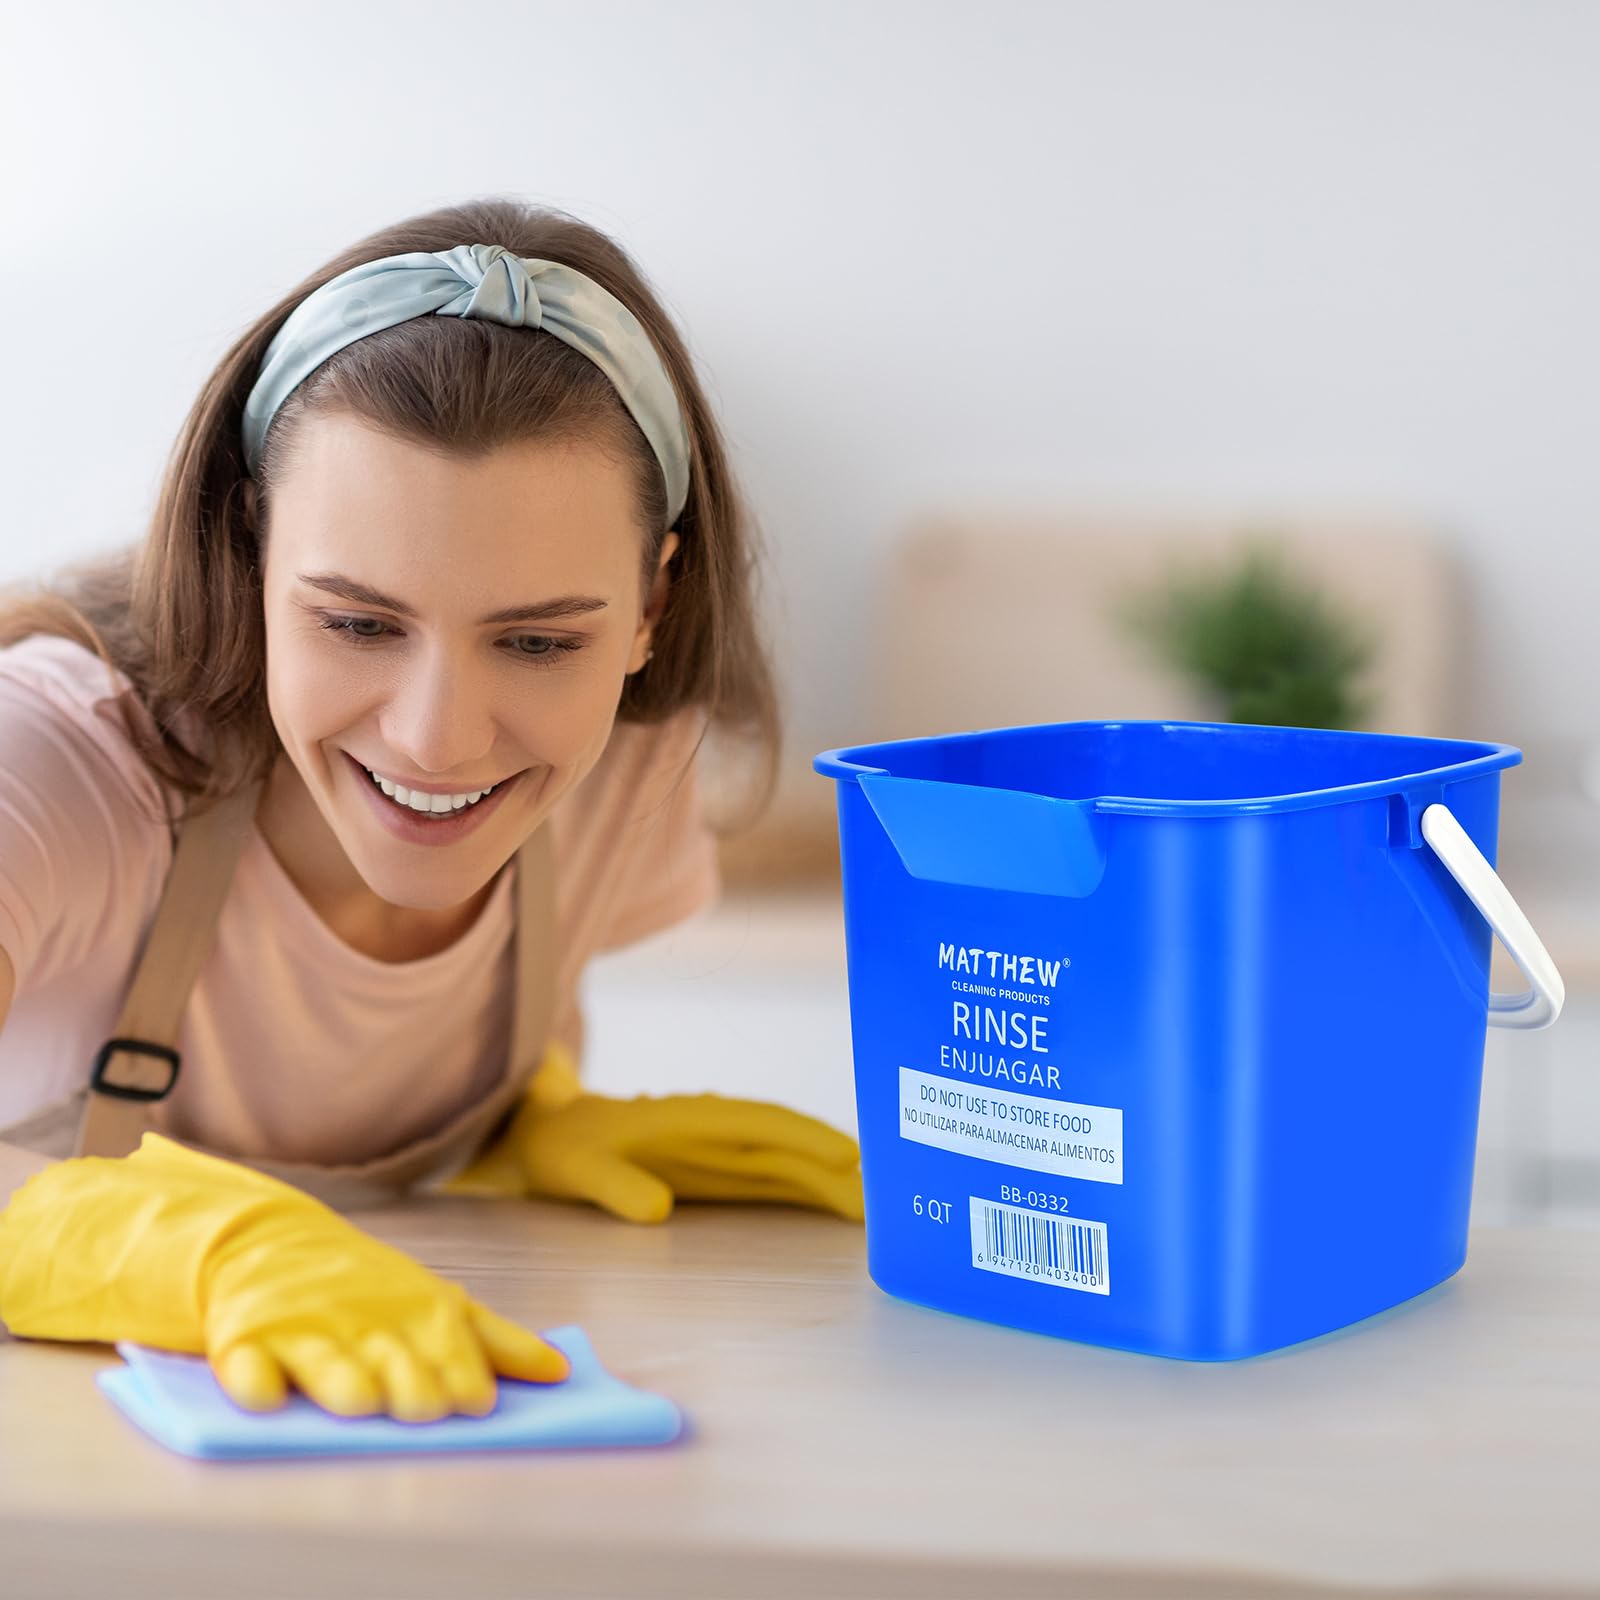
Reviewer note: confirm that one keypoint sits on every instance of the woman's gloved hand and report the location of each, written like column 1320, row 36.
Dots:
column 180, row 1250
column 635, row 1158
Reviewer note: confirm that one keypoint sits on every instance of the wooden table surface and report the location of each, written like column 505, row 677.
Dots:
column 845, row 1444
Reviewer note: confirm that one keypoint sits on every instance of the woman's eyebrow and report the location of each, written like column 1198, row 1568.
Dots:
column 567, row 605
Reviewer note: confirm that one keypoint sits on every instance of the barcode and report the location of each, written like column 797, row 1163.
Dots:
column 1033, row 1244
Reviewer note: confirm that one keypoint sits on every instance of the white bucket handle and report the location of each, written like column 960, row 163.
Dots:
column 1541, row 1004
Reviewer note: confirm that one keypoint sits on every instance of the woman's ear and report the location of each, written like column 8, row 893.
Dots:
column 655, row 604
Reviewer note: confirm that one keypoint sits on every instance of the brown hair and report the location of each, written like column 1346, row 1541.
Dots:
column 181, row 612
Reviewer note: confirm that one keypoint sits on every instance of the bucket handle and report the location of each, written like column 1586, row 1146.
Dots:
column 1541, row 1004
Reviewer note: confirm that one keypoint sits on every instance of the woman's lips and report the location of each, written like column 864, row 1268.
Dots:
column 414, row 828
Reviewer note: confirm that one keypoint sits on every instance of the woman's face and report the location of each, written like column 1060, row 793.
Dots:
column 384, row 565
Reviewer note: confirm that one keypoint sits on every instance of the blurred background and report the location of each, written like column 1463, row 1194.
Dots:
column 1008, row 318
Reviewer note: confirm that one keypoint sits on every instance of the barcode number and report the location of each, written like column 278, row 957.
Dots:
column 1069, row 1254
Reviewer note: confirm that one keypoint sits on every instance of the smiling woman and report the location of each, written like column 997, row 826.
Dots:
column 315, row 803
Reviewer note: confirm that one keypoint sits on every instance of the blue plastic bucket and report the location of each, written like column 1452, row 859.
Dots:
column 1169, row 1035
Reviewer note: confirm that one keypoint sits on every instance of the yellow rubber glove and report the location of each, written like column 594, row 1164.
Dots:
column 636, row 1158
column 181, row 1250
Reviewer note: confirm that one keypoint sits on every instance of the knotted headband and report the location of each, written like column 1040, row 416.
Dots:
column 487, row 281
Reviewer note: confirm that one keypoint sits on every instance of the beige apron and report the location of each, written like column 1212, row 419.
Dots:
column 112, row 1114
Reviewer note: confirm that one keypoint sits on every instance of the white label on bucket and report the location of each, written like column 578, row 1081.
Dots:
column 1066, row 1253
column 1017, row 1130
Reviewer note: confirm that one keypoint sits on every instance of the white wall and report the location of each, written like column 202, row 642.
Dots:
column 1147, row 253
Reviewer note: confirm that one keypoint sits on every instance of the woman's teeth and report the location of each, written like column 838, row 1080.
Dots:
column 433, row 805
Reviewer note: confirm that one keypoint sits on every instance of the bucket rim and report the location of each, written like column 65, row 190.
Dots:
column 1477, row 758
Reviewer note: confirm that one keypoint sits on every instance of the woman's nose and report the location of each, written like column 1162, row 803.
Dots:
column 439, row 716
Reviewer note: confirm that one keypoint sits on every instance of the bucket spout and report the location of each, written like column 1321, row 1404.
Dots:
column 990, row 838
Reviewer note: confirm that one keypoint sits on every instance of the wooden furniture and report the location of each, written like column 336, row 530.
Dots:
column 847, row 1444
column 990, row 619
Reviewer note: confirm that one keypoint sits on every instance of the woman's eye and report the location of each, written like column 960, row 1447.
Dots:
column 546, row 646
column 349, row 627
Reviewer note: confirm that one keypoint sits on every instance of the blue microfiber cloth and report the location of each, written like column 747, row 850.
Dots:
column 177, row 1401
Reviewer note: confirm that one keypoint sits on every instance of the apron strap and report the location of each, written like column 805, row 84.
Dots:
column 143, row 1050
column 533, row 1012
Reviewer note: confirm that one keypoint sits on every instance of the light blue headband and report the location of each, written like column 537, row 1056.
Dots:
column 487, row 281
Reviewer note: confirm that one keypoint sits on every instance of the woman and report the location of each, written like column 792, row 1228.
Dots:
column 385, row 729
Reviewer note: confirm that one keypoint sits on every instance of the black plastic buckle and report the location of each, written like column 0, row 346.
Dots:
column 129, row 1091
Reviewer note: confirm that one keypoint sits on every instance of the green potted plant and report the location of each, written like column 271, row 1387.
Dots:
column 1266, row 646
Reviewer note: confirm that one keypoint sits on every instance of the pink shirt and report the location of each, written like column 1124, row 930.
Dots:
column 294, row 1045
